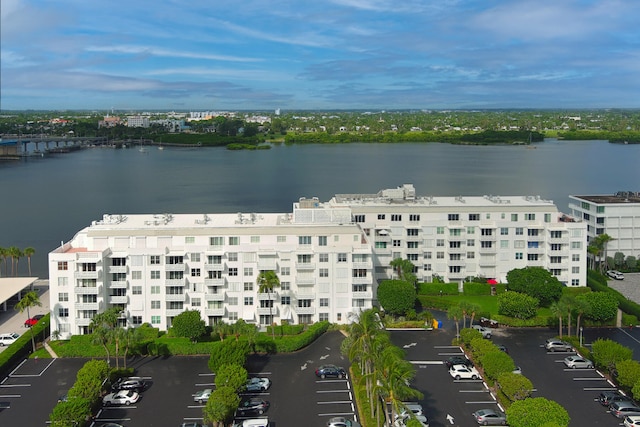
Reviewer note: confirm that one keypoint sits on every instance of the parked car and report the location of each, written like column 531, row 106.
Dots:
column 33, row 320
column 615, row 274
column 253, row 406
column 258, row 384
column 202, row 396
column 125, row 383
column 502, row 348
column 517, row 370
column 632, row 421
column 457, row 360
column 252, row 422
column 553, row 344
column 624, row 409
column 325, row 371
column 122, row 397
column 486, row 332
column 342, row 422
column 413, row 407
column 111, row 425
column 606, row 398
column 574, row 362
column 8, row 339
column 402, row 419
column 462, row 371
column 191, row 425
column 488, row 323
column 490, row 417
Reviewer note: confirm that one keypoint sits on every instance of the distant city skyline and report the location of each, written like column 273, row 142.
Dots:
column 331, row 54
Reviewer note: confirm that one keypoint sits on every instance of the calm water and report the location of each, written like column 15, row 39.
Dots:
column 46, row 201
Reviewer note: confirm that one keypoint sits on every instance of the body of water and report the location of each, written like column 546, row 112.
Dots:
column 47, row 200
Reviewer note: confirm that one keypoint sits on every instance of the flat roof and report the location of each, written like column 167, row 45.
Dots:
column 9, row 286
column 621, row 197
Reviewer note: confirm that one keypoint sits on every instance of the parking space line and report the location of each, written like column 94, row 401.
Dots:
column 473, row 391
column 334, row 402
column 195, row 406
column 204, row 384
column 33, row 375
column 14, row 385
column 590, row 379
column 427, row 362
column 336, row 414
column 481, row 402
column 112, row 419
column 332, row 391
column 10, row 395
column 206, row 375
column 599, row 389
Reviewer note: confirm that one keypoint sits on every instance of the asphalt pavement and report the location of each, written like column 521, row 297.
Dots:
column 12, row 320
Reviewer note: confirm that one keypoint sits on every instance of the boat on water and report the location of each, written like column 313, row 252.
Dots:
column 142, row 150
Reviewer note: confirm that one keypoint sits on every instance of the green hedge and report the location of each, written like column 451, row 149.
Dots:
column 436, row 288
column 21, row 348
column 598, row 283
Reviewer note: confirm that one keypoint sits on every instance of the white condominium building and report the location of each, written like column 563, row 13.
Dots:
column 328, row 256
column 617, row 215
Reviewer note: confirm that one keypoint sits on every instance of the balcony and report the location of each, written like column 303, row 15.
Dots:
column 83, row 322
column 305, row 265
column 305, row 281
column 117, row 269
column 175, row 297
column 266, row 311
column 219, row 296
column 362, row 295
column 174, row 282
column 119, row 284
column 487, row 250
column 173, row 312
column 361, row 280
column 214, row 267
column 305, row 310
column 487, row 262
column 214, row 282
column 305, row 295
column 86, row 290
column 120, row 299
column 87, row 306
column 86, row 275
column 268, row 296
column 174, row 267
column 362, row 265
column 381, row 238
column 219, row 312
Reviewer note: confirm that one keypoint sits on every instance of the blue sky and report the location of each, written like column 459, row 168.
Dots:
column 322, row 54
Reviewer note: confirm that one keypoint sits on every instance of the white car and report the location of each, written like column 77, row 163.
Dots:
column 632, row 421
column 122, row 397
column 252, row 422
column 258, row 384
column 403, row 418
column 8, row 339
column 615, row 274
column 464, row 372
column 574, row 362
column 486, row 332
column 202, row 396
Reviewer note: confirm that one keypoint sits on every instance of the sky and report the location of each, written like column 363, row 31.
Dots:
column 202, row 55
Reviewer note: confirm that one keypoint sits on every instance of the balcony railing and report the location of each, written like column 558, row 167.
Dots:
column 86, row 274
column 362, row 294
column 83, row 322
column 305, row 310
column 220, row 296
column 305, row 281
column 363, row 265
column 214, row 282
column 173, row 312
column 268, row 296
column 305, row 265
column 214, row 311
column 174, row 282
column 265, row 311
column 214, row 267
column 174, row 267
column 119, row 284
column 87, row 290
column 174, row 297
column 120, row 299
column 361, row 280
column 117, row 269
column 87, row 306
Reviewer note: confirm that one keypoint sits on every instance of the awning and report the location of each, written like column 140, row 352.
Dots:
column 286, row 313
column 382, row 232
column 249, row 316
column 492, row 281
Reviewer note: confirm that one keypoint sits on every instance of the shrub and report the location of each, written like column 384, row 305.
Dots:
column 467, row 335
column 518, row 305
column 188, row 324
column 606, row 353
column 497, row 362
column 480, row 347
column 228, row 352
column 515, row 386
column 396, row 296
column 536, row 282
column 628, row 373
column 603, row 306
column 537, row 412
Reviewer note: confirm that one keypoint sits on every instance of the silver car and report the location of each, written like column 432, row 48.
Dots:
column 553, row 344
column 490, row 417
column 574, row 362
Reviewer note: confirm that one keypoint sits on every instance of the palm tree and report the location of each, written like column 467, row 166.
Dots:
column 581, row 307
column 28, row 252
column 601, row 242
column 28, row 300
column 404, row 268
column 558, row 309
column 568, row 302
column 14, row 253
column 268, row 280
column 102, row 326
column 4, row 253
column 455, row 313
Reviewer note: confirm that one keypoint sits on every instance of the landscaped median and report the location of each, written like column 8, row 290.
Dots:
column 21, row 348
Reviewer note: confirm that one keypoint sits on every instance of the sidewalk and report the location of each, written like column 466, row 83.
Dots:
column 50, row 350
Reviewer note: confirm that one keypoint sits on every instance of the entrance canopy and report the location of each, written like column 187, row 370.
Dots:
column 10, row 286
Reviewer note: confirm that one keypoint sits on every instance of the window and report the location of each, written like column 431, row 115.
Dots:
column 63, row 312
column 358, row 218
column 486, row 245
column 519, row 231
column 232, row 256
column 426, row 267
column 195, row 302
column 474, row 217
column 396, row 243
column 439, row 230
column 439, row 255
column 453, row 217
column 285, row 286
column 471, row 242
column 214, row 259
column 63, row 297
column 504, row 231
column 585, row 205
column 233, row 271
column 189, row 240
column 248, row 271
column 285, row 271
column 195, row 272
column 529, row 217
column 455, row 245
column 471, row 255
column 304, row 258
column 255, row 239
column 396, row 217
column 63, row 281
column 304, row 240
column 471, row 230
column 575, row 257
column 454, row 269
column 599, row 209
column 248, row 300
column 154, row 260
column 359, row 272
column 342, row 257
column 155, row 320
column 324, row 302
column 174, row 259
column 519, row 255
column 234, row 241
column 285, row 300
column 323, row 272
column 248, row 286
column 455, row 232
column 136, row 290
column 357, row 303
column 323, row 317
column 232, row 301
column 412, row 245
column 281, row 239
column 486, row 232
column 323, row 257
column 414, row 217
column 532, row 232
column 155, row 305
column 136, row 275
column 136, row 320
column 216, row 241
column 412, row 257
column 532, row 245
column 532, row 257
column 504, row 244
column 440, row 242
column 412, row 232
column 514, row 217
column 118, row 262
column 556, row 247
column 575, row 282
column 381, row 216
column 304, row 303
column 63, row 266
column 155, row 274
column 322, row 240
column 381, row 245
column 575, row 270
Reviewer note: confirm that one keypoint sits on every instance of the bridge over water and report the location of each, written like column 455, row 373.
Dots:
column 37, row 145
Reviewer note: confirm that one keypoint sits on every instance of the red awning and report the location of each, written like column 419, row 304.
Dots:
column 492, row 281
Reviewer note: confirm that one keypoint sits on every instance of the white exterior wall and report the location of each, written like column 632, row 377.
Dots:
column 328, row 256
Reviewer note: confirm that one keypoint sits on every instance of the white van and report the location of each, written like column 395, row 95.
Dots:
column 253, row 422
column 8, row 339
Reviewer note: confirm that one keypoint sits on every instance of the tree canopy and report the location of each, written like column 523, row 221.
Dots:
column 536, row 412
column 189, row 324
column 536, row 282
column 396, row 296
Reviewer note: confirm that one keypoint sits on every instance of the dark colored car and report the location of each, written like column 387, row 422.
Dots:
column 325, row 371
column 33, row 320
column 135, row 384
column 606, row 398
column 502, row 348
column 253, row 406
column 457, row 360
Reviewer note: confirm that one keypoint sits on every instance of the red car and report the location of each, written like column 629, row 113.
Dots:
column 32, row 321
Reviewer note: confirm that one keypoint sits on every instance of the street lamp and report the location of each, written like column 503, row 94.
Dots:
column 581, row 336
